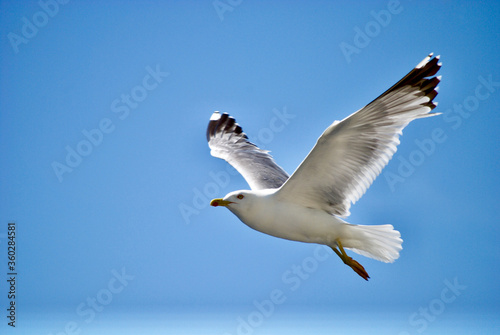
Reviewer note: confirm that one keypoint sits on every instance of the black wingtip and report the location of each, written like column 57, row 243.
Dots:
column 423, row 77
column 223, row 123
column 212, row 124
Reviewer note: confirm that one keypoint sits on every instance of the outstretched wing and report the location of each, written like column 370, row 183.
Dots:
column 227, row 140
column 350, row 154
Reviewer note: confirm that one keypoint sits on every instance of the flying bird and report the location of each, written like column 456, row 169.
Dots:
column 310, row 205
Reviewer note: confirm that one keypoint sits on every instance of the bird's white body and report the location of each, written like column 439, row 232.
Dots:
column 272, row 216
column 265, row 211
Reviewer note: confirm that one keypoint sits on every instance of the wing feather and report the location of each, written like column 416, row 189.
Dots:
column 350, row 154
column 227, row 141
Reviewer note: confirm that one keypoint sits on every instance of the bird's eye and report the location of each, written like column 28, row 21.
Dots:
column 240, row 196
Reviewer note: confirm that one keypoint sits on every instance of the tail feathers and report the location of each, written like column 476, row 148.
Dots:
column 382, row 242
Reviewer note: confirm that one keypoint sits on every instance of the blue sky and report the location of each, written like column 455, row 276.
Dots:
column 107, row 174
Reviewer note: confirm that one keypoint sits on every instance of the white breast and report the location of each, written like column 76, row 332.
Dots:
column 291, row 221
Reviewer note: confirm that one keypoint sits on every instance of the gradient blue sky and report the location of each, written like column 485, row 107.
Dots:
column 124, row 240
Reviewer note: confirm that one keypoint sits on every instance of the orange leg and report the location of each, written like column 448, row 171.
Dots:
column 358, row 268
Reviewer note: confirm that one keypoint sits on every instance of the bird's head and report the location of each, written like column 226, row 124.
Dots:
column 243, row 203
column 235, row 201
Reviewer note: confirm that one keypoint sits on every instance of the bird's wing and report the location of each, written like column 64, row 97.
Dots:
column 227, row 140
column 350, row 154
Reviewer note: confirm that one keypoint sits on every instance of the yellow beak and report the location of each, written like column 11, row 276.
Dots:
column 219, row 202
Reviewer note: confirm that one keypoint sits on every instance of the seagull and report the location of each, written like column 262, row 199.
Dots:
column 310, row 205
